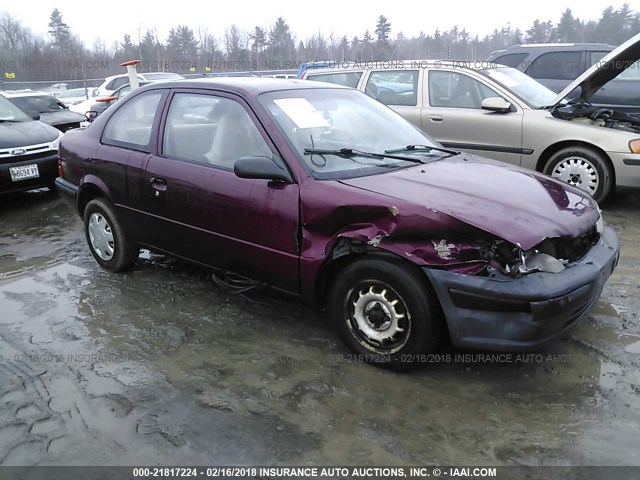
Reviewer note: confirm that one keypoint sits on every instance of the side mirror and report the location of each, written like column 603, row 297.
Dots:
column 496, row 104
column 261, row 168
column 91, row 115
column 33, row 114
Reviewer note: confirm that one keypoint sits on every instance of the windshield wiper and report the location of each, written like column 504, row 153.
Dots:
column 350, row 153
column 421, row 148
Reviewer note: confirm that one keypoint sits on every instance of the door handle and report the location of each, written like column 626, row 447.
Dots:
column 159, row 184
column 435, row 118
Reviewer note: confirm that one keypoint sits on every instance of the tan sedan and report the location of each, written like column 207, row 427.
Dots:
column 500, row 112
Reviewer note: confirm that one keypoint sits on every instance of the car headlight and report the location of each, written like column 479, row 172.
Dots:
column 600, row 223
column 55, row 145
column 634, row 145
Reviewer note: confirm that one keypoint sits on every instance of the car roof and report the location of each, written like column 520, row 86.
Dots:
column 556, row 46
column 245, row 85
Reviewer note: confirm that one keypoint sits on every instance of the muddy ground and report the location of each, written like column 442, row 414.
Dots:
column 161, row 366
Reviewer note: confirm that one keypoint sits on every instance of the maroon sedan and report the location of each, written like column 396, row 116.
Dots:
column 323, row 192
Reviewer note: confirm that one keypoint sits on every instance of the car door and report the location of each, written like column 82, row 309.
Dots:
column 203, row 211
column 454, row 117
column 121, row 157
column 399, row 89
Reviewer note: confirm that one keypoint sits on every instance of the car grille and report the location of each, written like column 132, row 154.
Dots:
column 67, row 126
column 32, row 152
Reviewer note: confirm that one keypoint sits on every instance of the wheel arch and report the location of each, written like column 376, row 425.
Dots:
column 347, row 251
column 556, row 147
column 89, row 189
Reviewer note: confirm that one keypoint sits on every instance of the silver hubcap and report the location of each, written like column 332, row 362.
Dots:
column 101, row 236
column 579, row 172
column 379, row 318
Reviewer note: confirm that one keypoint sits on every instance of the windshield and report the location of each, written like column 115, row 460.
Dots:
column 531, row 91
column 10, row 113
column 40, row 103
column 334, row 119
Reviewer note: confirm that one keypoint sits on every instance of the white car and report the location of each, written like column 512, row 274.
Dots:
column 112, row 83
column 74, row 95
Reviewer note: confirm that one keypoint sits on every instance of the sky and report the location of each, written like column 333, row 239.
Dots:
column 111, row 20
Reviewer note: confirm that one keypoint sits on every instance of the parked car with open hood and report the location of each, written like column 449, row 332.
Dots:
column 50, row 109
column 28, row 150
column 502, row 113
column 321, row 191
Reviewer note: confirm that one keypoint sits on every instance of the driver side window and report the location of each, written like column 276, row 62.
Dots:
column 211, row 130
column 457, row 90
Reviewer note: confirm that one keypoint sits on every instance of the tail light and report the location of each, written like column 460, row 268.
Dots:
column 59, row 166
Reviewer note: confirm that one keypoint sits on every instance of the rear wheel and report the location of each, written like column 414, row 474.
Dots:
column 583, row 168
column 107, row 240
column 384, row 313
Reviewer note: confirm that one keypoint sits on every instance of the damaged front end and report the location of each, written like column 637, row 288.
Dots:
column 551, row 255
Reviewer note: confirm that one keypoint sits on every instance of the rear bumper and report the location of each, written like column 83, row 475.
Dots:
column 68, row 191
column 508, row 314
column 47, row 169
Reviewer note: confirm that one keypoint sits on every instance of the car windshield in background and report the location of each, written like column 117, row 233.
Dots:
column 40, row 104
column 525, row 87
column 10, row 113
column 328, row 119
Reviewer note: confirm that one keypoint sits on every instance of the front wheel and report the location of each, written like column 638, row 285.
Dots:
column 583, row 168
column 385, row 313
column 107, row 240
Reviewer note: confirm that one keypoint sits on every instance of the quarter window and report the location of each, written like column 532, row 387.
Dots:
column 211, row 130
column 511, row 59
column 131, row 125
column 395, row 87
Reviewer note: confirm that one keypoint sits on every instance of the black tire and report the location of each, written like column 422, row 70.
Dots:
column 591, row 161
column 421, row 321
column 118, row 254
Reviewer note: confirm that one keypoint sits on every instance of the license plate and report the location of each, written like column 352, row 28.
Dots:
column 24, row 172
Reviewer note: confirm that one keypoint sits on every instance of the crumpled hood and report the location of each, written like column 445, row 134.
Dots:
column 21, row 134
column 595, row 77
column 517, row 205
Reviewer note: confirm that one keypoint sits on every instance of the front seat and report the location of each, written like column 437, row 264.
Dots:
column 236, row 136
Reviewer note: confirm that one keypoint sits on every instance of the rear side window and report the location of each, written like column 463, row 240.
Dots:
column 394, row 87
column 347, row 79
column 557, row 66
column 131, row 125
column 511, row 59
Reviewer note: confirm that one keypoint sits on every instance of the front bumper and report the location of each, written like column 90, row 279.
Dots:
column 47, row 169
column 509, row 314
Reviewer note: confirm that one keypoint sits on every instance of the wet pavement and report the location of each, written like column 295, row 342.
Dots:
column 161, row 366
